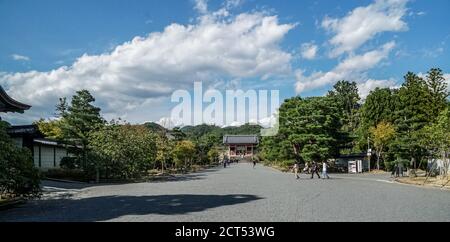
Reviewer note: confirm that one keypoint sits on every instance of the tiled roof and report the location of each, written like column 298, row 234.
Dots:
column 240, row 139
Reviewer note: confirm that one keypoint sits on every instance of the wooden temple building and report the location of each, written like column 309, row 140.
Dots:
column 241, row 145
column 46, row 153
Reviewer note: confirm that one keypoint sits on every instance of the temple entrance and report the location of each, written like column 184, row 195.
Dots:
column 240, row 146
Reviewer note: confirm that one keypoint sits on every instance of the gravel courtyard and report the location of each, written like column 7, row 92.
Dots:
column 239, row 193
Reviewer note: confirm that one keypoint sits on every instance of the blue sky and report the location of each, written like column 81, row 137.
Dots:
column 52, row 48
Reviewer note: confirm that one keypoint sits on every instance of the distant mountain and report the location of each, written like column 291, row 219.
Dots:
column 205, row 131
column 200, row 130
column 155, row 127
column 216, row 133
column 246, row 129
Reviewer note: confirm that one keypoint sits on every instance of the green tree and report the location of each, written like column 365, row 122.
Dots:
column 165, row 148
column 412, row 114
column 379, row 105
column 382, row 134
column 183, row 153
column 123, row 150
column 438, row 87
column 437, row 138
column 213, row 155
column 18, row 176
column 51, row 128
column 346, row 96
column 276, row 149
column 311, row 126
column 79, row 120
column 177, row 134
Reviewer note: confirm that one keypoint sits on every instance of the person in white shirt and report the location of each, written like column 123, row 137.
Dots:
column 324, row 170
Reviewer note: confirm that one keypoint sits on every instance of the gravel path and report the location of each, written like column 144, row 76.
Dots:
column 241, row 193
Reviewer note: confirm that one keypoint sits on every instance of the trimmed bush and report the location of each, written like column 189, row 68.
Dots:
column 18, row 176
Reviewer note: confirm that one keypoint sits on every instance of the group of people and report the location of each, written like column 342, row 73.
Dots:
column 227, row 161
column 313, row 169
column 397, row 170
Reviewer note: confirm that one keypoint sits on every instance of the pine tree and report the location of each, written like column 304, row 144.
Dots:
column 80, row 119
column 379, row 105
column 311, row 126
column 346, row 95
column 438, row 87
column 413, row 113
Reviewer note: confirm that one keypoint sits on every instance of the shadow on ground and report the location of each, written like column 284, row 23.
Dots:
column 198, row 175
column 110, row 207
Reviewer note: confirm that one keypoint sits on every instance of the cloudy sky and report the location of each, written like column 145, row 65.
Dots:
column 133, row 54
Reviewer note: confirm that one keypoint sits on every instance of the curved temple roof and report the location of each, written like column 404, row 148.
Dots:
column 240, row 139
column 7, row 104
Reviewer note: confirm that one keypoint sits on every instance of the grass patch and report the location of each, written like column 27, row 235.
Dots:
column 422, row 180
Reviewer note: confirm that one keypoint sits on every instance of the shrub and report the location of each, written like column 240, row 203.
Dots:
column 70, row 163
column 287, row 163
column 66, row 174
column 18, row 176
column 121, row 151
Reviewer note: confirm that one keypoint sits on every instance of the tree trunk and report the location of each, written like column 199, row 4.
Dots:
column 378, row 161
column 297, row 155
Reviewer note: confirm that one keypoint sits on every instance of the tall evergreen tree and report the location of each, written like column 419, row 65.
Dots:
column 80, row 119
column 413, row 113
column 346, row 98
column 311, row 126
column 379, row 105
column 346, row 95
column 438, row 87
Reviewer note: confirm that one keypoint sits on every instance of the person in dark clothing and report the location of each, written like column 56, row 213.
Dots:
column 314, row 169
column 394, row 170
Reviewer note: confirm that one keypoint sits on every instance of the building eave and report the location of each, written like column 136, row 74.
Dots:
column 11, row 105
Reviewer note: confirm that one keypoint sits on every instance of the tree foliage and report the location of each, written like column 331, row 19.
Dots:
column 79, row 119
column 18, row 176
column 437, row 138
column 381, row 134
column 123, row 151
column 183, row 153
column 345, row 94
column 309, row 131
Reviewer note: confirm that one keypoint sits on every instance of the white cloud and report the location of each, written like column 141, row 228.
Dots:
column 137, row 74
column 421, row 13
column 446, row 77
column 20, row 57
column 364, row 23
column 351, row 68
column 433, row 53
column 309, row 51
column 201, row 6
column 370, row 85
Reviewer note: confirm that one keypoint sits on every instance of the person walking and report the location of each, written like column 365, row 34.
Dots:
column 400, row 168
column 393, row 170
column 296, row 167
column 254, row 161
column 314, row 169
column 306, row 169
column 324, row 170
